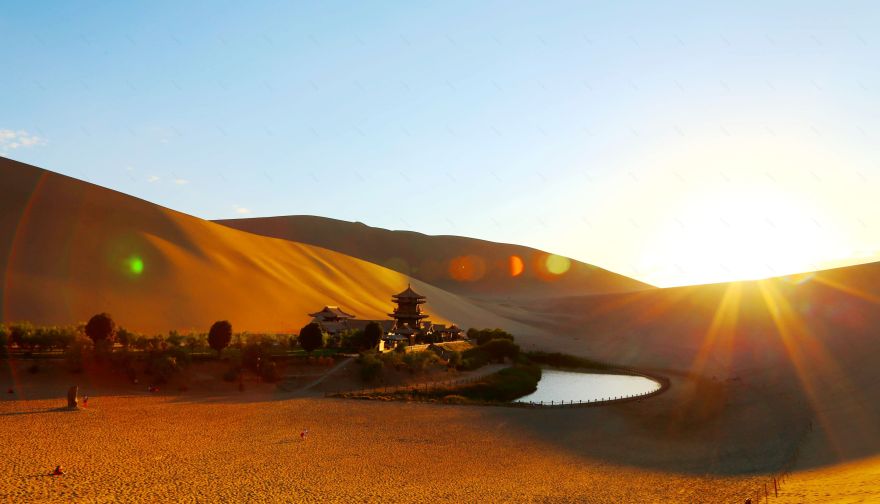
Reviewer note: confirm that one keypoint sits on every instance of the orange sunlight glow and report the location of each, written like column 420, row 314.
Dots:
column 743, row 235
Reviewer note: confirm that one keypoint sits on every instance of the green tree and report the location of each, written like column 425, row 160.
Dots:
column 22, row 334
column 372, row 335
column 498, row 349
column 4, row 340
column 220, row 335
column 101, row 329
column 311, row 337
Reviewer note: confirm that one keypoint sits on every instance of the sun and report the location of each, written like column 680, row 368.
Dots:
column 743, row 234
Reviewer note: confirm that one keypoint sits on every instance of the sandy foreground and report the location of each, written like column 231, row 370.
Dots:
column 151, row 448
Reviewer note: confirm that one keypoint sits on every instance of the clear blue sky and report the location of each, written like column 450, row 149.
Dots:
column 625, row 134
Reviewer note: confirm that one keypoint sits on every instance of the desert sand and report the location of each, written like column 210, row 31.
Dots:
column 129, row 446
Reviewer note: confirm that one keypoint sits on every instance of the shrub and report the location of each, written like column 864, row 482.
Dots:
column 400, row 348
column 21, row 334
column 371, row 367
column 505, row 385
column 419, row 361
column 163, row 366
column 474, row 358
column 311, row 337
column 253, row 355
column 101, row 329
column 483, row 336
column 455, row 359
column 220, row 335
column 498, row 349
column 175, row 339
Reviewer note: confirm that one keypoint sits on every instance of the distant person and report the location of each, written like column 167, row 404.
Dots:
column 303, row 434
column 58, row 471
column 85, row 401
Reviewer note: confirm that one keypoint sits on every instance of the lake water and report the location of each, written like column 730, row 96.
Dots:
column 568, row 386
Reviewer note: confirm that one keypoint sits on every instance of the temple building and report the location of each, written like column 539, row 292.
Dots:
column 408, row 324
column 332, row 319
column 409, row 310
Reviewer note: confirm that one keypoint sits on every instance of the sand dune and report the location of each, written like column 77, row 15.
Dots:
column 69, row 249
column 461, row 265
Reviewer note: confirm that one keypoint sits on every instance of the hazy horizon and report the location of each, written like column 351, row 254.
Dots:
column 676, row 144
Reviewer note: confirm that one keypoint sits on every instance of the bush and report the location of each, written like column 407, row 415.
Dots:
column 454, row 359
column 505, row 385
column 163, row 366
column 253, row 356
column 498, row 349
column 418, row 362
column 483, row 336
column 220, row 335
column 311, row 337
column 21, row 334
column 474, row 358
column 371, row 367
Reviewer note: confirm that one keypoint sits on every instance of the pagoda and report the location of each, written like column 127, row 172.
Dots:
column 409, row 311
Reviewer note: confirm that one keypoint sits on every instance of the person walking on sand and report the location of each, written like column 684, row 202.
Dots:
column 59, row 471
column 85, row 401
column 303, row 434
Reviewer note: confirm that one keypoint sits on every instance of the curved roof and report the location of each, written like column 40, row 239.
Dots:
column 331, row 312
column 409, row 293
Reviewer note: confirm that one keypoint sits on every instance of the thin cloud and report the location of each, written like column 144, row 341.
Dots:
column 19, row 139
column 181, row 181
column 152, row 178
column 242, row 210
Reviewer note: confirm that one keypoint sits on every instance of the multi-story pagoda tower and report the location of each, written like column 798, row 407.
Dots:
column 409, row 310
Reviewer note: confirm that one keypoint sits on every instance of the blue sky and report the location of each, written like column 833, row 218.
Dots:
column 674, row 142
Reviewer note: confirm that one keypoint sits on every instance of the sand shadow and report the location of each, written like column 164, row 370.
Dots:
column 60, row 409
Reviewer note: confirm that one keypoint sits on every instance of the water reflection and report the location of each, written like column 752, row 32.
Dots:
column 570, row 386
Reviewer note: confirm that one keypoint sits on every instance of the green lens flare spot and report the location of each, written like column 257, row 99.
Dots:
column 135, row 265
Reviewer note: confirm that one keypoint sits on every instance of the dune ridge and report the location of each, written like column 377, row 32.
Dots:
column 465, row 266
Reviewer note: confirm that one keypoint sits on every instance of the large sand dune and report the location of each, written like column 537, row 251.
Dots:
column 461, row 265
column 69, row 249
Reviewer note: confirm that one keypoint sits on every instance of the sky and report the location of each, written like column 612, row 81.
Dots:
column 673, row 142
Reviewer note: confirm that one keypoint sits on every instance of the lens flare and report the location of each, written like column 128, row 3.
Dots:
column 469, row 268
column 558, row 264
column 135, row 265
column 516, row 265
